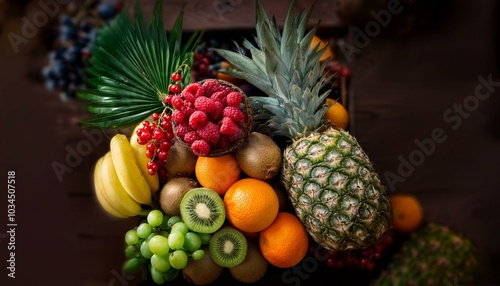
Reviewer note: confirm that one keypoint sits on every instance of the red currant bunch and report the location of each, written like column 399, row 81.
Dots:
column 157, row 135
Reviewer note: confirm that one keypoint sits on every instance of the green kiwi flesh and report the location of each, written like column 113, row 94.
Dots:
column 228, row 247
column 202, row 210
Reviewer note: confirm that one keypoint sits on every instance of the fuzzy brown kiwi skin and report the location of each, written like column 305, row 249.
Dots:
column 253, row 268
column 181, row 161
column 172, row 192
column 203, row 271
column 260, row 157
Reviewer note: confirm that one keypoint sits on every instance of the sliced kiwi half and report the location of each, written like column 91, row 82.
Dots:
column 202, row 210
column 228, row 247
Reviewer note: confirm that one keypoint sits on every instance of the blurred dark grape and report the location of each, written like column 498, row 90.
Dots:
column 79, row 25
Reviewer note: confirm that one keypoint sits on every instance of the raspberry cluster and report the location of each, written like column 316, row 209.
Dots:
column 208, row 116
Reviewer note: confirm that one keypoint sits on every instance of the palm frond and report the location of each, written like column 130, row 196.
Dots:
column 130, row 68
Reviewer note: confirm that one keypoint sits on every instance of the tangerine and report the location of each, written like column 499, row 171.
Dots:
column 251, row 205
column 337, row 114
column 217, row 173
column 285, row 242
column 328, row 53
column 407, row 213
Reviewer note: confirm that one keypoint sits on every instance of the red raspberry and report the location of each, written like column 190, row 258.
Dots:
column 177, row 102
column 234, row 98
column 219, row 96
column 188, row 97
column 182, row 129
column 198, row 119
column 235, row 114
column 200, row 147
column 211, row 86
column 178, row 116
column 236, row 136
column 209, row 133
column 228, row 127
column 190, row 137
column 195, row 89
column 216, row 114
column 188, row 109
column 204, row 104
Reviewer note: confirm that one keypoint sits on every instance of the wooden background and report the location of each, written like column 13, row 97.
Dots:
column 404, row 80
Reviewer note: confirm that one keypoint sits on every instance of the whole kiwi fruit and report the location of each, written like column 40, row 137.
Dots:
column 259, row 157
column 203, row 271
column 172, row 192
column 181, row 161
column 253, row 268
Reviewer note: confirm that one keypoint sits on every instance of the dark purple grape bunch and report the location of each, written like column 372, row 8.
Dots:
column 79, row 26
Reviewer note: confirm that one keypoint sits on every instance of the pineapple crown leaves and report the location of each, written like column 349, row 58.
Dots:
column 130, row 68
column 283, row 65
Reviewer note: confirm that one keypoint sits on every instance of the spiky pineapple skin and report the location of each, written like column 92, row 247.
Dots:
column 434, row 255
column 335, row 191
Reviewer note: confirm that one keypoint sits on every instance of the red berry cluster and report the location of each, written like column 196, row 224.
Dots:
column 157, row 136
column 366, row 258
column 208, row 116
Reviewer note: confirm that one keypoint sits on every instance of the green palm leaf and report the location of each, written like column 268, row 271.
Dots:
column 130, row 68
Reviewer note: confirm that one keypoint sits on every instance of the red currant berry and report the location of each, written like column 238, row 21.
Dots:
column 144, row 137
column 165, row 145
column 176, row 76
column 168, row 134
column 152, row 170
column 330, row 263
column 151, row 147
column 155, row 116
column 174, row 88
column 177, row 102
column 157, row 134
column 150, row 154
column 163, row 155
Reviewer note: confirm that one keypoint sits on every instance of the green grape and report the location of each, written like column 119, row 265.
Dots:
column 198, row 254
column 205, row 237
column 171, row 274
column 178, row 259
column 132, row 265
column 155, row 218
column 160, row 263
column 145, row 251
column 143, row 230
column 159, row 245
column 192, row 242
column 150, row 236
column 164, row 224
column 131, row 251
column 181, row 226
column 131, row 237
column 175, row 239
column 173, row 220
column 157, row 276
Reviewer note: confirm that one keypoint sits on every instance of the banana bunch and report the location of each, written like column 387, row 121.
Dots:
column 121, row 180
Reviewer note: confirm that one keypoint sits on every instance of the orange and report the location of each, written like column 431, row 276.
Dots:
column 337, row 114
column 217, row 173
column 407, row 213
column 222, row 76
column 251, row 205
column 328, row 51
column 285, row 242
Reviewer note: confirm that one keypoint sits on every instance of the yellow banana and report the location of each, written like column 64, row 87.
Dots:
column 113, row 190
column 128, row 170
column 142, row 160
column 98, row 188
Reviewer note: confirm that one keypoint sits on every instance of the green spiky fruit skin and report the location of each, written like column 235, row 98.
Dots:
column 335, row 191
column 434, row 255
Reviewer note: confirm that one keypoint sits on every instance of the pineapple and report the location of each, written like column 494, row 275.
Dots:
column 434, row 255
column 333, row 187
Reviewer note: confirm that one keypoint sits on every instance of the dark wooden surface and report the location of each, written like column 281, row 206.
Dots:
column 403, row 82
